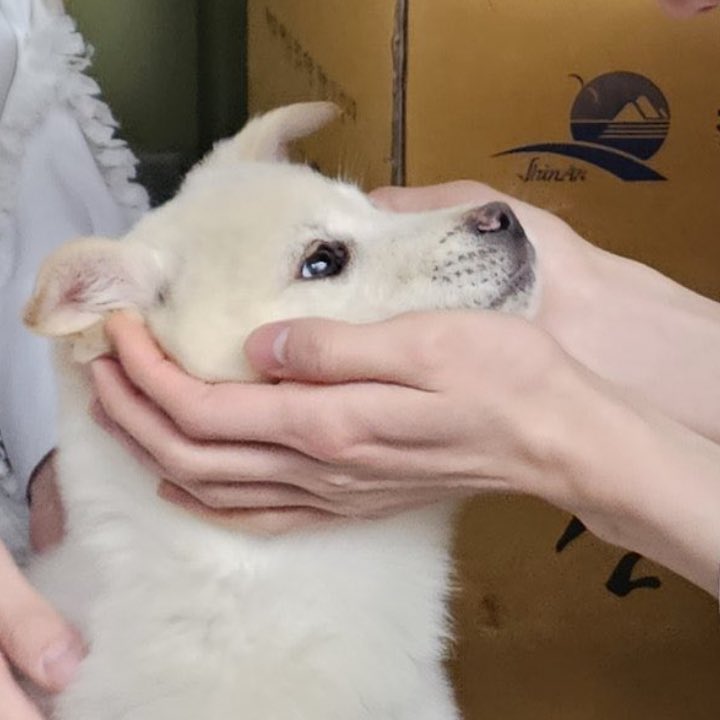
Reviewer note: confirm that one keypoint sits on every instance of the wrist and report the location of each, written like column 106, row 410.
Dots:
column 678, row 504
column 654, row 339
column 650, row 485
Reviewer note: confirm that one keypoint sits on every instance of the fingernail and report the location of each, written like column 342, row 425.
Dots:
column 279, row 345
column 61, row 662
column 266, row 347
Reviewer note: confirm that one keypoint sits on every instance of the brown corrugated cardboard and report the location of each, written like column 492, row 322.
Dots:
column 606, row 112
column 484, row 78
column 487, row 77
column 296, row 51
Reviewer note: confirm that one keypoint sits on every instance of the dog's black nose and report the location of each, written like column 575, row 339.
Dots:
column 494, row 217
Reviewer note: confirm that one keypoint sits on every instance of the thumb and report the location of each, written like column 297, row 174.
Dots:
column 312, row 350
column 433, row 197
column 32, row 635
column 329, row 351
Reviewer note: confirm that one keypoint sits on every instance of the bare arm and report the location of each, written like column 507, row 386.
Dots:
column 644, row 482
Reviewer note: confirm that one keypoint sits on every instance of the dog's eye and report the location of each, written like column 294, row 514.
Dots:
column 325, row 260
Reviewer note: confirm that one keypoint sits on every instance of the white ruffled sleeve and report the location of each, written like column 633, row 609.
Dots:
column 63, row 174
column 61, row 196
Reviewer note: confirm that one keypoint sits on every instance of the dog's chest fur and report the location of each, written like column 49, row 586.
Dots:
column 189, row 621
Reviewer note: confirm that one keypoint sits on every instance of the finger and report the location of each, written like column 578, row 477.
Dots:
column 433, row 197
column 253, row 495
column 541, row 226
column 329, row 351
column 360, row 506
column 13, row 704
column 202, row 411
column 181, row 396
column 295, row 424
column 258, row 522
column 240, row 493
column 32, row 635
column 306, row 418
column 161, row 380
column 141, row 428
column 147, row 367
column 156, row 443
column 126, row 440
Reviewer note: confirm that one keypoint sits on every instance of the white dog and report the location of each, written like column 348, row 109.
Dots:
column 189, row 621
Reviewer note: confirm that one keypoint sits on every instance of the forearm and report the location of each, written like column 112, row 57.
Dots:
column 645, row 333
column 648, row 484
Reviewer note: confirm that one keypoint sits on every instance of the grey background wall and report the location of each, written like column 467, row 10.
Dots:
column 174, row 73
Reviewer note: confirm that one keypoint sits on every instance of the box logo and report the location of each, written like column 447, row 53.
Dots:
column 617, row 121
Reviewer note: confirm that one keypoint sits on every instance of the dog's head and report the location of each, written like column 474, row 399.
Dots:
column 252, row 238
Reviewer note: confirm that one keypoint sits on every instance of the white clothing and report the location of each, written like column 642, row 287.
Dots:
column 62, row 175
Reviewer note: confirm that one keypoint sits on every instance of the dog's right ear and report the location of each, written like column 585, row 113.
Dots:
column 266, row 137
column 85, row 279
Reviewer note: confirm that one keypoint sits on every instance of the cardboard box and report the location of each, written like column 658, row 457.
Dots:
column 436, row 91
column 607, row 113
column 296, row 52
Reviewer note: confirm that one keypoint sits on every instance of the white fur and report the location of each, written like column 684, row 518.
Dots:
column 186, row 620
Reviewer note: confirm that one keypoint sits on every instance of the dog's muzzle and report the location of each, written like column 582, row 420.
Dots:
column 496, row 225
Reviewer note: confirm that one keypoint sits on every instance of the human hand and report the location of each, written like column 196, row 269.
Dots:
column 35, row 640
column 204, row 476
column 220, row 445
column 412, row 410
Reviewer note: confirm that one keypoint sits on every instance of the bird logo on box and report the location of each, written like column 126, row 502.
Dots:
column 617, row 121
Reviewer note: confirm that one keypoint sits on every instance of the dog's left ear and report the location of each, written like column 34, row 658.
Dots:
column 86, row 279
column 266, row 138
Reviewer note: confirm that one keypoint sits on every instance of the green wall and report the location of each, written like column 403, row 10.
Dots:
column 222, row 89
column 173, row 71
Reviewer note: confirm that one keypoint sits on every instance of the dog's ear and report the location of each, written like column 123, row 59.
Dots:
column 85, row 279
column 265, row 138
